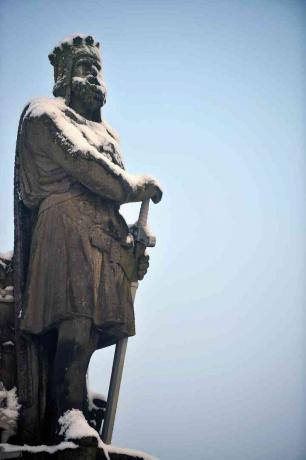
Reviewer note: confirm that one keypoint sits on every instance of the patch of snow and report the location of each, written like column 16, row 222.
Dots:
column 6, row 298
column 37, row 449
column 3, row 265
column 8, row 344
column 98, row 77
column 7, row 255
column 91, row 395
column 9, row 412
column 75, row 426
column 7, row 294
column 111, row 130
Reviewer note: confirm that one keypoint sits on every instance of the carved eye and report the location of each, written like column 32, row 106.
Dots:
column 87, row 66
column 83, row 66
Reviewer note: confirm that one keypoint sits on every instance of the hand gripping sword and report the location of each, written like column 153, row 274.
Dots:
column 143, row 239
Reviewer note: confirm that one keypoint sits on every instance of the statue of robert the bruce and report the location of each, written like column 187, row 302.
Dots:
column 73, row 251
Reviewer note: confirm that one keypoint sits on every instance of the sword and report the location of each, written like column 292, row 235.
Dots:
column 143, row 239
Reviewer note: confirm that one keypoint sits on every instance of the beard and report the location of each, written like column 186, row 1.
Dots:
column 90, row 90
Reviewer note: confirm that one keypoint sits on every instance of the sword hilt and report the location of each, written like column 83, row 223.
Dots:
column 143, row 213
column 142, row 233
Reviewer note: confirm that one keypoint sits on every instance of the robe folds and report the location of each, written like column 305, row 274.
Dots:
column 70, row 183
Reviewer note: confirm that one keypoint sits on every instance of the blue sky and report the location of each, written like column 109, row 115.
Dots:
column 209, row 97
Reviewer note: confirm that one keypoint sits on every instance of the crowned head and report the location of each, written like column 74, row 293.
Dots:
column 78, row 70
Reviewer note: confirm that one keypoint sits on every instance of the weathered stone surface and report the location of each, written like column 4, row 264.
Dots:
column 74, row 254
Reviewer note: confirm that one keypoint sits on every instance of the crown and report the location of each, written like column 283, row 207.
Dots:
column 72, row 45
column 63, row 56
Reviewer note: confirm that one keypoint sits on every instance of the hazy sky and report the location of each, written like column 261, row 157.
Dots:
column 208, row 96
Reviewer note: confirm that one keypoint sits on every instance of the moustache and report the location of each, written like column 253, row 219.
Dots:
column 90, row 87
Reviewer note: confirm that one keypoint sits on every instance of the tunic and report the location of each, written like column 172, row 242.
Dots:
column 71, row 172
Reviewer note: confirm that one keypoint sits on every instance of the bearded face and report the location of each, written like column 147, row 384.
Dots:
column 87, row 83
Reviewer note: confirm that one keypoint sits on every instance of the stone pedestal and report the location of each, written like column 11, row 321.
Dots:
column 81, row 453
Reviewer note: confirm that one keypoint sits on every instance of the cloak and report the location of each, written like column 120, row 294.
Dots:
column 27, row 352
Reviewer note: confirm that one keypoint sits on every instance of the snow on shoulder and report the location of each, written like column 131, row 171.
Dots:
column 111, row 130
column 70, row 127
column 45, row 105
column 73, row 130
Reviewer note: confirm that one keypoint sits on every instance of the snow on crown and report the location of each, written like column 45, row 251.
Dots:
column 69, row 43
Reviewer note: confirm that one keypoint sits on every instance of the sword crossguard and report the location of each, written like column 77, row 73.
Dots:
column 145, row 237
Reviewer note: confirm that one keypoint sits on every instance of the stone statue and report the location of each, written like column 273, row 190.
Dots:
column 73, row 254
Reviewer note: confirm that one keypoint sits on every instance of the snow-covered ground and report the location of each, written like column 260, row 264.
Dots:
column 73, row 427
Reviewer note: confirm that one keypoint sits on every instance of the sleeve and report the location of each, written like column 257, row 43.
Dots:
column 90, row 168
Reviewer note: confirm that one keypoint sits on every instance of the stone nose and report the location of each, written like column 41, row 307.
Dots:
column 93, row 80
column 94, row 71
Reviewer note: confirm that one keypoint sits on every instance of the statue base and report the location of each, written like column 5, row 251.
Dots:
column 80, row 453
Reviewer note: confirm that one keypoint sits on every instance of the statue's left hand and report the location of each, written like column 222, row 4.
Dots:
column 142, row 266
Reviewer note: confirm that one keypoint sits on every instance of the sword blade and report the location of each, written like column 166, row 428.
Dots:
column 115, row 383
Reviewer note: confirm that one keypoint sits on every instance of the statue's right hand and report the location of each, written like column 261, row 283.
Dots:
column 145, row 187
column 153, row 190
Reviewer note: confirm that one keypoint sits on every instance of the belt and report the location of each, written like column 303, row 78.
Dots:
column 98, row 237
column 57, row 198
